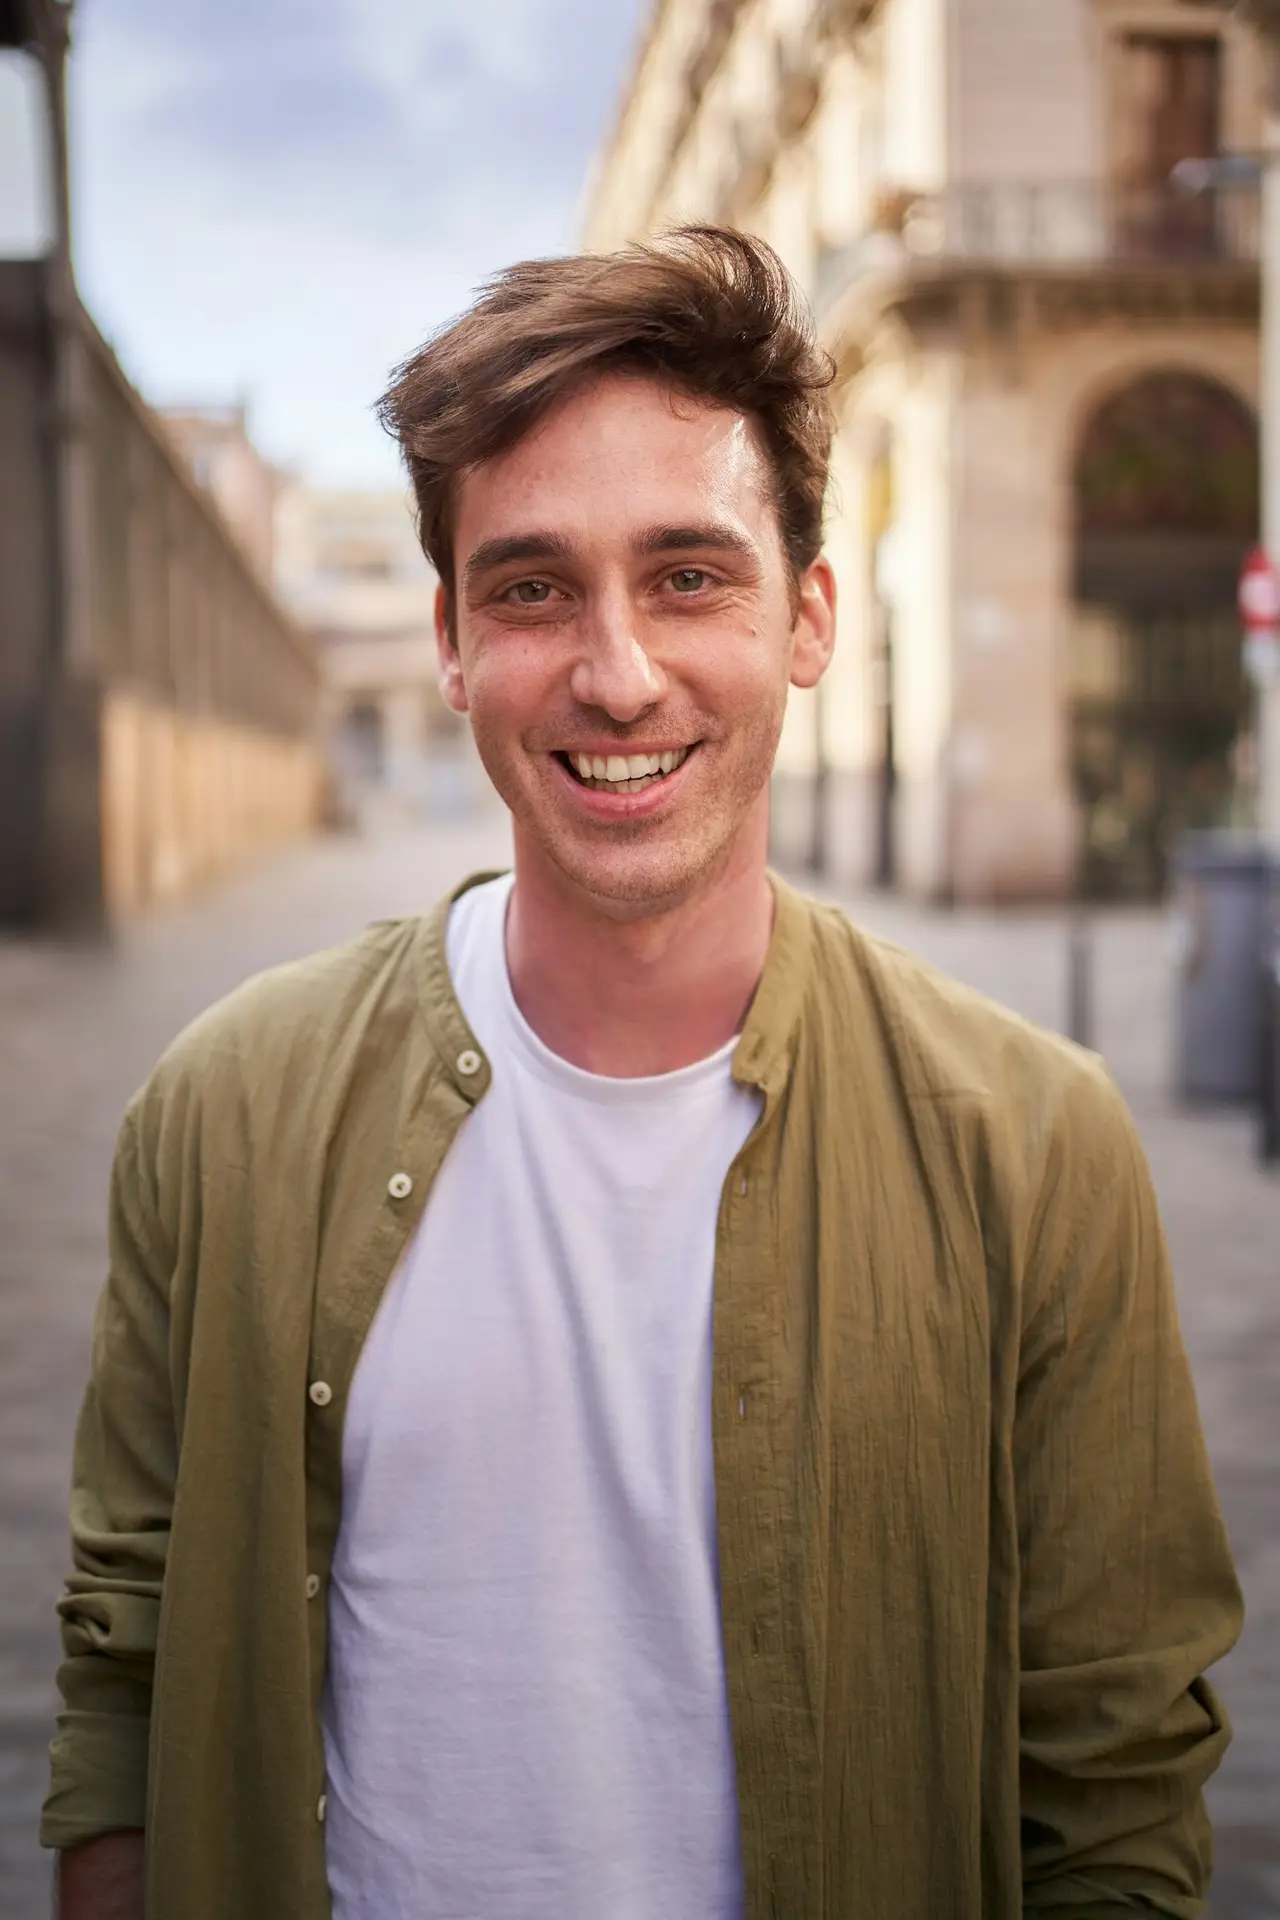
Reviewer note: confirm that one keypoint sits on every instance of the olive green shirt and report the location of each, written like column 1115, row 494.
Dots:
column 972, row 1566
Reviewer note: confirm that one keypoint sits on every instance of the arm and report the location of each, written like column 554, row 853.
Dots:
column 102, row 1879
column 1128, row 1590
column 122, row 1496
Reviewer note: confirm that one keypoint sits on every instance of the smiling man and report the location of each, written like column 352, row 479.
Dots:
column 624, row 1398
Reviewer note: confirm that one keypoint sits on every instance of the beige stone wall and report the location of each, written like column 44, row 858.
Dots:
column 626, row 178
column 185, row 798
column 914, row 108
column 245, row 487
column 1023, row 93
column 918, row 586
column 1013, row 821
column 844, row 139
column 852, row 696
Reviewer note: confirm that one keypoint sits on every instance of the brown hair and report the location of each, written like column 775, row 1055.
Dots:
column 711, row 312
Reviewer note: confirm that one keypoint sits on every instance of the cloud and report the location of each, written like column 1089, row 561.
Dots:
column 286, row 197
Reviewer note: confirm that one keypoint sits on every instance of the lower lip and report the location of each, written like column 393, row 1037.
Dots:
column 623, row 806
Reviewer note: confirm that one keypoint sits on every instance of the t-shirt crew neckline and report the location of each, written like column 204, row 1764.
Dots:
column 603, row 1089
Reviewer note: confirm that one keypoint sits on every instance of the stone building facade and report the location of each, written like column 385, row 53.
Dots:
column 157, row 705
column 216, row 444
column 349, row 565
column 1045, row 475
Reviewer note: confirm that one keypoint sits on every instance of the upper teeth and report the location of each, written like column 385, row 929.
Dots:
column 633, row 766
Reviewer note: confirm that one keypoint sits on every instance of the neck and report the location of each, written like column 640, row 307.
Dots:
column 646, row 994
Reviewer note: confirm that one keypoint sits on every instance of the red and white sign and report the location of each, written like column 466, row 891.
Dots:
column 1259, row 592
column 1258, row 597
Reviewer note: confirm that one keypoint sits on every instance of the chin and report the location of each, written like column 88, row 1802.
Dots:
column 637, row 880
column 646, row 866
column 633, row 877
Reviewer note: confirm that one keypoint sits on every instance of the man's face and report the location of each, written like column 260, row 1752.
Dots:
column 626, row 628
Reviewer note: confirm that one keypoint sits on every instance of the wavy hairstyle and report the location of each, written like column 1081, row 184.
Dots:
column 710, row 312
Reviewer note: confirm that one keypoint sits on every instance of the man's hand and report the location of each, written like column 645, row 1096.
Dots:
column 102, row 1880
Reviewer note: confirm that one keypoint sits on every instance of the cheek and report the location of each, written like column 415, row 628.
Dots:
column 509, row 681
column 742, row 668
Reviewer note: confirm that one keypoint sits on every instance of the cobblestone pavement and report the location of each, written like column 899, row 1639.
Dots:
column 79, row 1030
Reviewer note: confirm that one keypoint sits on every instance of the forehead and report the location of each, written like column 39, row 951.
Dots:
column 624, row 451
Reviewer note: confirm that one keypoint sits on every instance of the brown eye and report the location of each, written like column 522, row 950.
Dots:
column 688, row 579
column 530, row 593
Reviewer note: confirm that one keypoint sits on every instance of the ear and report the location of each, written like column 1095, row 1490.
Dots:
column 813, row 637
column 452, row 690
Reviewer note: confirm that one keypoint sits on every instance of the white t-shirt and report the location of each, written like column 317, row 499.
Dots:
column 525, row 1715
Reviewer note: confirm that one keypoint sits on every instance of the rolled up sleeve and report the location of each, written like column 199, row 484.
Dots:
column 121, row 1503
column 1128, row 1589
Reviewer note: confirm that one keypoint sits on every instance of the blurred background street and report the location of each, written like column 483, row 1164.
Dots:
column 80, row 1029
column 1041, row 243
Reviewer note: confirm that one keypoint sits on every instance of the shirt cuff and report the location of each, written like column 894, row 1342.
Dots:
column 99, row 1783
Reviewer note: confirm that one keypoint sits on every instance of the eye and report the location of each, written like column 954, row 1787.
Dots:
column 529, row 593
column 688, row 579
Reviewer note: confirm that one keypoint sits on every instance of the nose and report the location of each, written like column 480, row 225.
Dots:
column 613, row 670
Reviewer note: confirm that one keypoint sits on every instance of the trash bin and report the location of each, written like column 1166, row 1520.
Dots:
column 1222, row 910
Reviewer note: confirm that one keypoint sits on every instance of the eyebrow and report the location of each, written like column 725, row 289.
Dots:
column 501, row 551
column 716, row 535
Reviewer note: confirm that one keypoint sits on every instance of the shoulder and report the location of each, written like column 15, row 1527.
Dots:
column 954, row 1050
column 295, row 1028
column 312, row 1001
column 1022, row 1138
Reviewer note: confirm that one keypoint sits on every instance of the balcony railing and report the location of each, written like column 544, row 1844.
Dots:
column 1065, row 225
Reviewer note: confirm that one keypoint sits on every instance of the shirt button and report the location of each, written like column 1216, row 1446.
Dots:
column 468, row 1063
column 399, row 1186
column 322, row 1807
column 313, row 1585
column 320, row 1393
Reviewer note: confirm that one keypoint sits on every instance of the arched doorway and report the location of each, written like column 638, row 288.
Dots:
column 1166, row 507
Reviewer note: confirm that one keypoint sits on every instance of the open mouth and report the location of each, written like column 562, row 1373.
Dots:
column 623, row 772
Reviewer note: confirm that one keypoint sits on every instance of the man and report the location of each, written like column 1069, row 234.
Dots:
column 625, row 1399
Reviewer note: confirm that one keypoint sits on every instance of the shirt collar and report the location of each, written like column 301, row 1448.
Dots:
column 452, row 1038
column 761, row 1059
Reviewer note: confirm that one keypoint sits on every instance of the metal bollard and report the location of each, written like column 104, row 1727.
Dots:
column 1080, row 978
column 1269, row 1103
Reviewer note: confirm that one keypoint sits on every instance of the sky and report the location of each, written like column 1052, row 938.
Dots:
column 277, row 200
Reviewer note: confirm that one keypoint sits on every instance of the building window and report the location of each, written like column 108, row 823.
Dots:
column 1168, row 108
